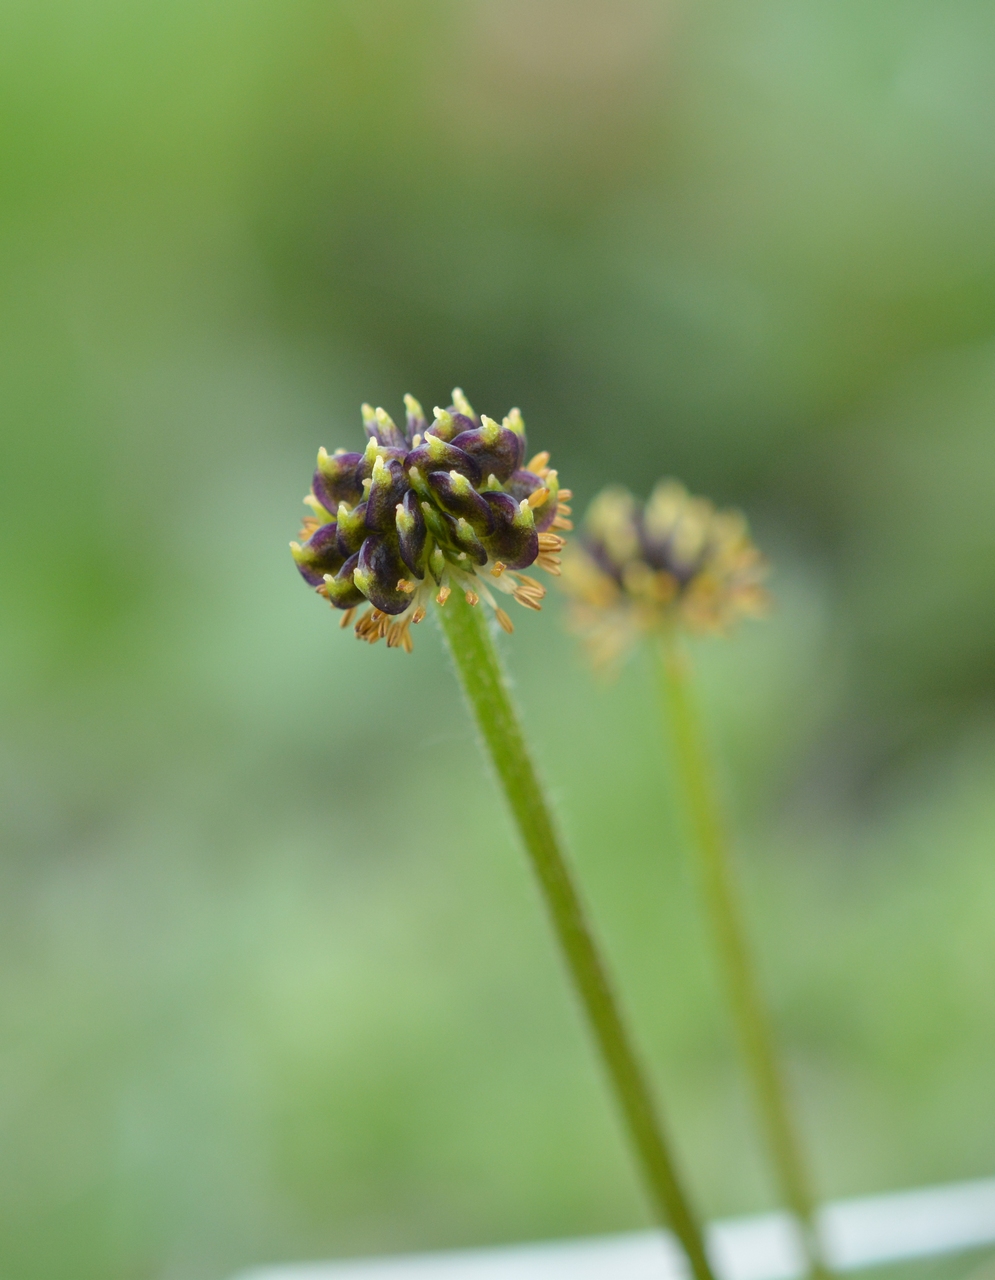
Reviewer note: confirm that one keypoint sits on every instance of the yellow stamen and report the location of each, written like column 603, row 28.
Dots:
column 404, row 585
column 347, row 617
column 398, row 638
column 529, row 601
column 504, row 621
column 538, row 462
column 499, row 568
column 537, row 498
column 551, row 542
column 443, row 596
column 472, row 597
column 368, row 626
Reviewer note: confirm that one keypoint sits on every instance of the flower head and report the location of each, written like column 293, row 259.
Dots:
column 673, row 561
column 426, row 509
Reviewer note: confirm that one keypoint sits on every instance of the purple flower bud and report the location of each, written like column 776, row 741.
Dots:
column 319, row 555
column 449, row 423
column 379, row 570
column 341, row 590
column 465, row 537
column 458, row 498
column 435, row 454
column 523, row 484
column 379, row 426
column 351, row 528
column 388, row 485
column 337, row 478
column 497, row 450
column 514, row 539
column 411, row 533
column 375, row 450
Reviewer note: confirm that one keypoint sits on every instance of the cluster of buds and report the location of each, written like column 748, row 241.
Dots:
column 673, row 561
column 426, row 509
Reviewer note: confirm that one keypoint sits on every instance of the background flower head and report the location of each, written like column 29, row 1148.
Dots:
column 674, row 561
column 428, row 508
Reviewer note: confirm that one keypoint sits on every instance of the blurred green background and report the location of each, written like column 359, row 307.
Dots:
column 274, row 982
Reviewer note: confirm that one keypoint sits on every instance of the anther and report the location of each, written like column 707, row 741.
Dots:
column 472, row 598
column 443, row 596
column 504, row 621
column 538, row 462
column 499, row 568
column 538, row 497
column 404, row 585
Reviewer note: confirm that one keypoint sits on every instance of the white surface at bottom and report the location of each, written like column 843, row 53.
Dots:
column 857, row 1233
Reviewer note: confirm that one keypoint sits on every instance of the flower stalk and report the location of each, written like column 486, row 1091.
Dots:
column 485, row 688
column 743, row 988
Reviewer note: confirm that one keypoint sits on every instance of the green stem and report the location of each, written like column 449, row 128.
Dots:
column 748, row 1009
column 483, row 682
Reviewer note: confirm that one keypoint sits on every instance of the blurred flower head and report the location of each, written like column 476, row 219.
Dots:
column 425, row 510
column 672, row 562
